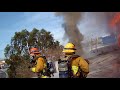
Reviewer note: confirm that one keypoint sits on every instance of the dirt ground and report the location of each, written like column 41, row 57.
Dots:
column 106, row 65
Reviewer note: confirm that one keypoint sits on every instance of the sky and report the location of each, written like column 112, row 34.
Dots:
column 11, row 22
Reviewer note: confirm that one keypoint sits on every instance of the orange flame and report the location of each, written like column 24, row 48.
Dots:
column 118, row 40
column 115, row 20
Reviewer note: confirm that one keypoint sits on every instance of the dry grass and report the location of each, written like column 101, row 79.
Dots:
column 53, row 54
column 22, row 71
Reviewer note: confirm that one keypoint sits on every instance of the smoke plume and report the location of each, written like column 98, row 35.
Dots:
column 71, row 19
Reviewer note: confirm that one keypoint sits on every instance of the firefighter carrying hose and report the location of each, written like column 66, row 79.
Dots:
column 71, row 65
column 39, row 63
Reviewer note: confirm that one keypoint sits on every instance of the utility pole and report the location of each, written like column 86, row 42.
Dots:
column 94, row 44
column 91, row 44
column 97, row 44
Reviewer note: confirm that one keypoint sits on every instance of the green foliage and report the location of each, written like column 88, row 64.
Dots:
column 17, row 52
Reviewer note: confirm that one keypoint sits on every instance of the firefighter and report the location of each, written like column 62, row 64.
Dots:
column 71, row 65
column 39, row 63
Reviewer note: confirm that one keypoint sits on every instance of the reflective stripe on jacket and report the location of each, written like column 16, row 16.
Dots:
column 80, row 63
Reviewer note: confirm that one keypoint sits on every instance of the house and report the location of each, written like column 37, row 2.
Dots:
column 2, row 64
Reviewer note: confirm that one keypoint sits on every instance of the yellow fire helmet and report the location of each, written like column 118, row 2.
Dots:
column 69, row 48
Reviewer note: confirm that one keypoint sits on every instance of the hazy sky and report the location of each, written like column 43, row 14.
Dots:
column 10, row 22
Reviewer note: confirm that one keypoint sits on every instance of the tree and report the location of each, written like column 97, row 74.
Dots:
column 7, row 51
column 17, row 52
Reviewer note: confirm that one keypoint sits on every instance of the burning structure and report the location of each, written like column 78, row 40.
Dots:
column 112, row 41
column 96, row 20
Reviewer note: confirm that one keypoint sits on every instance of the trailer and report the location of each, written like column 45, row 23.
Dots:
column 108, row 40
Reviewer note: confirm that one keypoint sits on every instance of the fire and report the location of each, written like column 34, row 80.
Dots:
column 114, row 22
column 118, row 38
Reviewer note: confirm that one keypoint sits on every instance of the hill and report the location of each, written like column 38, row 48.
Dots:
column 106, row 65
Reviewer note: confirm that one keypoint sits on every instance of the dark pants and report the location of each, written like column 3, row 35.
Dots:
column 63, row 74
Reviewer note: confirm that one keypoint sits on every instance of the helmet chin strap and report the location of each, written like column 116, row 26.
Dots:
column 69, row 53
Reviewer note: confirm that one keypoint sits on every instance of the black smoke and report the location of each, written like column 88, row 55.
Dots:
column 71, row 20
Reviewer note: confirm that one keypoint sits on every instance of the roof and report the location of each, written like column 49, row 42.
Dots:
column 2, row 62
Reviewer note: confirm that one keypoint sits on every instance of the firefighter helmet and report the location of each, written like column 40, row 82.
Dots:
column 69, row 48
column 34, row 51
